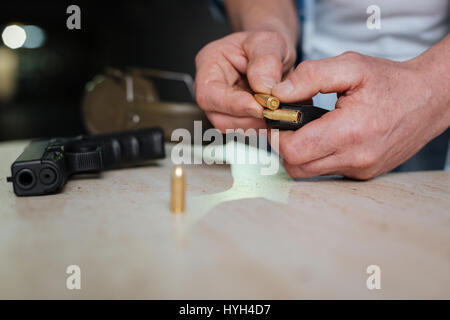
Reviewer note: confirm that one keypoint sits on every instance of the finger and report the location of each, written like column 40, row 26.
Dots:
column 267, row 60
column 328, row 165
column 222, row 122
column 307, row 102
column 216, row 91
column 337, row 74
column 314, row 141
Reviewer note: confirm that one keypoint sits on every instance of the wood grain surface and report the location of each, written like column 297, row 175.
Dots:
column 243, row 235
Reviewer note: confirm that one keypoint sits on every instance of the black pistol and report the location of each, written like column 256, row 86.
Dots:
column 45, row 165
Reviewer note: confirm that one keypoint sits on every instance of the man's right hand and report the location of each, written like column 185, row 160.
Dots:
column 229, row 69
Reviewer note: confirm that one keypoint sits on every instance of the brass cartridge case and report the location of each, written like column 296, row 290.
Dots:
column 178, row 190
column 267, row 101
column 283, row 115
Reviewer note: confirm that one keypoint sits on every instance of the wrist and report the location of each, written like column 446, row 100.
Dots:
column 277, row 16
column 434, row 82
column 290, row 36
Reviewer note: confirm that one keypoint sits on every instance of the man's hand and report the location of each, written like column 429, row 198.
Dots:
column 230, row 68
column 385, row 113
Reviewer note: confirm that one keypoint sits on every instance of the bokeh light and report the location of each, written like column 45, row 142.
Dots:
column 35, row 37
column 14, row 36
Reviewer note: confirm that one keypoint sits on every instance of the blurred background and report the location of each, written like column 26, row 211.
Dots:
column 42, row 80
column 44, row 66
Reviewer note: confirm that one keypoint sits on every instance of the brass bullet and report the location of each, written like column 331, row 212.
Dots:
column 178, row 190
column 267, row 101
column 283, row 115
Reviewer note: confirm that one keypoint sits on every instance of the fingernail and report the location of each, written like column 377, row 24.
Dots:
column 255, row 113
column 268, row 82
column 284, row 88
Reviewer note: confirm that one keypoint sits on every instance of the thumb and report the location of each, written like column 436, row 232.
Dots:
column 337, row 74
column 269, row 56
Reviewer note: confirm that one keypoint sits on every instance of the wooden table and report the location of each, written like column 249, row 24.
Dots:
column 243, row 235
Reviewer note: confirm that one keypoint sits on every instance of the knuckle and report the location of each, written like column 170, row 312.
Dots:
column 288, row 153
column 355, row 131
column 204, row 51
column 263, row 36
column 352, row 55
column 291, row 170
column 198, row 58
column 310, row 170
column 219, row 125
column 264, row 42
column 201, row 97
column 355, row 135
column 268, row 60
column 266, row 64
column 365, row 160
column 363, row 175
column 363, row 130
column 300, row 171
column 221, row 128
column 209, row 50
column 306, row 69
column 354, row 61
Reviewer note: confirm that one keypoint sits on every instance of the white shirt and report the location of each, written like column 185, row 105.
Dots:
column 407, row 28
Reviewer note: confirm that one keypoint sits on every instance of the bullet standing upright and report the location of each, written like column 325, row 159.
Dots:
column 178, row 190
